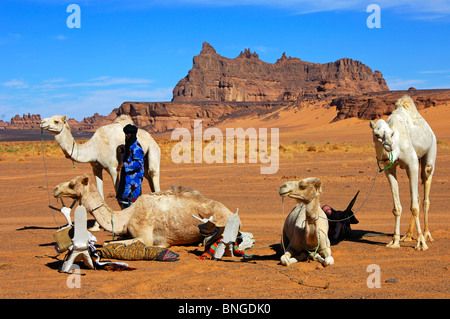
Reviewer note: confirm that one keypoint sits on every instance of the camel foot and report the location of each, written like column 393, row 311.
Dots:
column 328, row 261
column 407, row 237
column 96, row 227
column 421, row 244
column 427, row 236
column 393, row 244
column 287, row 261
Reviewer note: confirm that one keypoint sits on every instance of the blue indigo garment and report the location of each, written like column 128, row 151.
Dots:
column 132, row 173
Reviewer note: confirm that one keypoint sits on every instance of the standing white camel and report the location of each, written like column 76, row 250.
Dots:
column 407, row 140
column 102, row 151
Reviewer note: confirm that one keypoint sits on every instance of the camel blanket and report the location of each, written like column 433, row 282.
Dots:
column 137, row 251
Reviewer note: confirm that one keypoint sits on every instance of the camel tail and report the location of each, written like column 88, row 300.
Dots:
column 407, row 103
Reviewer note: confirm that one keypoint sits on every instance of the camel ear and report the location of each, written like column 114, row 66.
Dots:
column 85, row 180
column 64, row 118
column 318, row 185
column 371, row 124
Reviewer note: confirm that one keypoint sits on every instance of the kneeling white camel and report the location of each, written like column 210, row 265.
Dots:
column 159, row 219
column 305, row 231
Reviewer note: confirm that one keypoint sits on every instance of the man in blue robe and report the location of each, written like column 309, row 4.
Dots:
column 132, row 169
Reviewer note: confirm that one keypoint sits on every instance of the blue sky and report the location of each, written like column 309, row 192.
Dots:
column 138, row 50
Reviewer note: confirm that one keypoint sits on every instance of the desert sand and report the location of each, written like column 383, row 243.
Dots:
column 341, row 154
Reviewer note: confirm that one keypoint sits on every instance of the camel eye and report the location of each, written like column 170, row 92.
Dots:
column 56, row 122
column 301, row 186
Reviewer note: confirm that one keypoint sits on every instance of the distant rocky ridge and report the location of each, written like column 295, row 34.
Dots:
column 218, row 88
column 248, row 79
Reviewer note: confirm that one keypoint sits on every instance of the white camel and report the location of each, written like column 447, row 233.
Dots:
column 406, row 140
column 158, row 219
column 305, row 231
column 103, row 150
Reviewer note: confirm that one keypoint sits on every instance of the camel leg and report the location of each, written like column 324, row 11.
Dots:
column 427, row 175
column 292, row 249
column 326, row 251
column 412, row 222
column 413, row 174
column 114, row 176
column 397, row 211
column 152, row 171
column 98, row 173
column 324, row 257
column 287, row 259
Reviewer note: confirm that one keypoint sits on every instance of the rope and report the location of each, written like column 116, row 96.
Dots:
column 112, row 225
column 385, row 160
column 46, row 176
column 367, row 197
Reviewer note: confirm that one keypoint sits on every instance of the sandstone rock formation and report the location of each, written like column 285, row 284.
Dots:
column 27, row 121
column 370, row 106
column 248, row 79
column 163, row 116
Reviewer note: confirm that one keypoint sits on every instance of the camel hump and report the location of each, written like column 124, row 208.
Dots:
column 124, row 119
column 407, row 103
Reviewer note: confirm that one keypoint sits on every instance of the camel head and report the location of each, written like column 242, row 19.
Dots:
column 382, row 134
column 74, row 189
column 54, row 124
column 303, row 191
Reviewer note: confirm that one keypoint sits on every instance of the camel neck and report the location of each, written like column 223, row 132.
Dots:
column 108, row 219
column 73, row 150
column 312, row 211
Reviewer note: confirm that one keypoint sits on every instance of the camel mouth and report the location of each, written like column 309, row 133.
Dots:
column 290, row 194
column 57, row 194
column 293, row 195
column 285, row 194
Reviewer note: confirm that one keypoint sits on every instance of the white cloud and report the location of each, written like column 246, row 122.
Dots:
column 60, row 37
column 9, row 38
column 97, row 101
column 101, row 81
column 401, row 84
column 435, row 71
column 415, row 9
column 17, row 84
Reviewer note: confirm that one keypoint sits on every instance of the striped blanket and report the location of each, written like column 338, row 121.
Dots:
column 210, row 250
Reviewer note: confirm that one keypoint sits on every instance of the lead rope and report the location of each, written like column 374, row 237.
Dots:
column 46, row 176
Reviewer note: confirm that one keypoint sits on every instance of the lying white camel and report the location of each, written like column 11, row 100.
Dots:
column 305, row 231
column 159, row 219
column 102, row 150
column 407, row 140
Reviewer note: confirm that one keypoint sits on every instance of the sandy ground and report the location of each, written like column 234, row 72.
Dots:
column 29, row 263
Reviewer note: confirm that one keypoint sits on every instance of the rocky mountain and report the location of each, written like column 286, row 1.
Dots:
column 248, row 79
